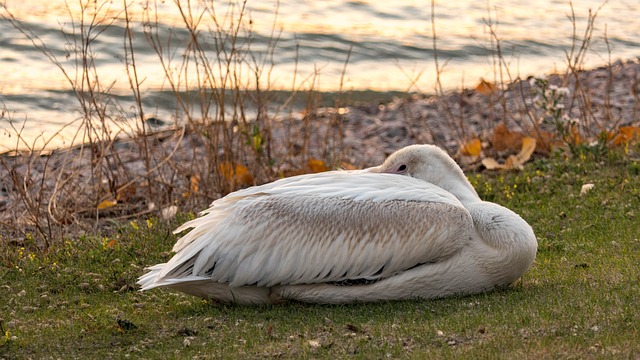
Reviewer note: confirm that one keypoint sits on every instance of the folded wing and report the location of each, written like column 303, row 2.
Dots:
column 327, row 227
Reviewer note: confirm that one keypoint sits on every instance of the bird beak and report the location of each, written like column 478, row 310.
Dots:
column 374, row 169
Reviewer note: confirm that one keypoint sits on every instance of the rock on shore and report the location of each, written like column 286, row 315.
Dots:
column 175, row 168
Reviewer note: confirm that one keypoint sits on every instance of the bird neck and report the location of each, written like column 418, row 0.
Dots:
column 461, row 189
column 453, row 180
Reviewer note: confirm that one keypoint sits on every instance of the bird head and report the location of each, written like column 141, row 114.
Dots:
column 428, row 163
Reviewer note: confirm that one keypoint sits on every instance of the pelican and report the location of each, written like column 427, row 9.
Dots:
column 411, row 228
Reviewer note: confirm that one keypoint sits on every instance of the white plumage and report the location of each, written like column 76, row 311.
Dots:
column 413, row 227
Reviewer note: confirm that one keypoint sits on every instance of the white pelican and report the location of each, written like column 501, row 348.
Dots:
column 411, row 228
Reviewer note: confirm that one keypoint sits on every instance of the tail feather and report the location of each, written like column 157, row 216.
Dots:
column 152, row 278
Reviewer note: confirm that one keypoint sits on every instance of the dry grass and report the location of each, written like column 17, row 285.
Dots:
column 231, row 129
column 579, row 299
column 225, row 122
column 81, row 223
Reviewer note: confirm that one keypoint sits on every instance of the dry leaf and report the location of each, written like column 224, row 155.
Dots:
column 347, row 166
column 316, row 166
column 574, row 136
column 545, row 142
column 314, row 343
column 513, row 161
column 194, row 183
column 469, row 152
column 505, row 139
column 491, row 164
column 312, row 166
column 485, row 87
column 528, row 147
column 126, row 192
column 472, row 148
column 292, row 172
column 236, row 174
column 107, row 204
column 169, row 212
column 111, row 244
column 585, row 188
column 627, row 134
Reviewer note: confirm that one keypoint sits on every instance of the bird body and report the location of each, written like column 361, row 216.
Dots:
column 411, row 228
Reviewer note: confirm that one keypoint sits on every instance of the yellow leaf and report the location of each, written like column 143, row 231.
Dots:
column 107, row 204
column 472, row 148
column 491, row 164
column 505, row 139
column 235, row 174
column 528, row 147
column 316, row 165
column 513, row 162
column 574, row 136
column 627, row 134
column 193, row 186
column 193, row 183
column 485, row 87
column 347, row 166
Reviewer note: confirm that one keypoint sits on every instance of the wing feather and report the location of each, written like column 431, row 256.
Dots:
column 325, row 227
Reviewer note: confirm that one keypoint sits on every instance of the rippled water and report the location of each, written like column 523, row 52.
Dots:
column 389, row 46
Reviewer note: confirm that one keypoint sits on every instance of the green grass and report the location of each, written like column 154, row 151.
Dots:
column 579, row 300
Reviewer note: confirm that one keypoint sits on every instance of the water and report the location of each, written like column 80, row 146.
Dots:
column 390, row 47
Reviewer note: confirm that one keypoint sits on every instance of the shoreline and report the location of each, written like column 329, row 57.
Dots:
column 362, row 135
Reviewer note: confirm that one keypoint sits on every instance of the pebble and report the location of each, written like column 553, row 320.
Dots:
column 371, row 133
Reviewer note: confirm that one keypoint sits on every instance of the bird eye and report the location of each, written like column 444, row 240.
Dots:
column 402, row 168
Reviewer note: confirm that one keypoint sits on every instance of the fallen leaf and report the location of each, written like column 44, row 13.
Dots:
column 292, row 172
column 312, row 166
column 194, row 183
column 316, row 165
column 471, row 148
column 513, row 161
column 505, row 139
column 469, row 152
column 586, row 188
column 627, row 134
column 314, row 343
column 485, row 87
column 107, row 204
column 126, row 192
column 185, row 331
column 347, row 166
column 491, row 164
column 352, row 327
column 236, row 174
column 545, row 142
column 169, row 212
column 111, row 243
column 528, row 147
column 574, row 136
column 125, row 325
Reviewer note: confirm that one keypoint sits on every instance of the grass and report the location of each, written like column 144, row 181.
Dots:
column 229, row 118
column 68, row 295
column 579, row 300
